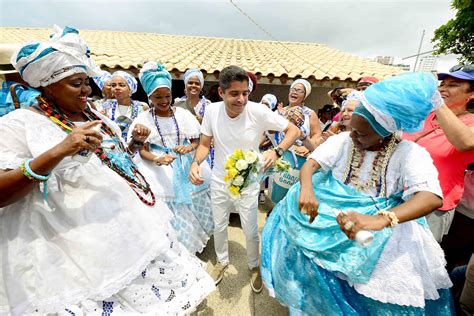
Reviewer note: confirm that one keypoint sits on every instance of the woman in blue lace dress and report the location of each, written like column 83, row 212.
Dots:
column 365, row 181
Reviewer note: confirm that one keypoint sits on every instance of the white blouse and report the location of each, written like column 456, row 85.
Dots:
column 410, row 169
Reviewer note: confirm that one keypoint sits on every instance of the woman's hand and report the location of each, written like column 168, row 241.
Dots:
column 81, row 138
column 140, row 133
column 308, row 204
column 326, row 135
column 301, row 151
column 164, row 160
column 183, row 149
column 353, row 222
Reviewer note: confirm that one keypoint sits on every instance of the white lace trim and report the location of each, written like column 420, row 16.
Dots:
column 410, row 270
column 58, row 303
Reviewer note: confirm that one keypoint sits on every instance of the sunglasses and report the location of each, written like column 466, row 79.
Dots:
column 465, row 68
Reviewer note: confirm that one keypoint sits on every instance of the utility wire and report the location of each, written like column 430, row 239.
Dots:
column 271, row 36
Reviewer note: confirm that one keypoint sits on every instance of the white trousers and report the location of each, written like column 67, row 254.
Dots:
column 247, row 207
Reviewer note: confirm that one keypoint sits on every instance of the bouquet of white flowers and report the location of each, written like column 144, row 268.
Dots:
column 244, row 168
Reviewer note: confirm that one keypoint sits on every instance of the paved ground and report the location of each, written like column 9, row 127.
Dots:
column 233, row 295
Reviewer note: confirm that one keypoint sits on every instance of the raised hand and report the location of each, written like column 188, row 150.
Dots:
column 81, row 138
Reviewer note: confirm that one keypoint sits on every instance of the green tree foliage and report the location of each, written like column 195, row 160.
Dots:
column 457, row 35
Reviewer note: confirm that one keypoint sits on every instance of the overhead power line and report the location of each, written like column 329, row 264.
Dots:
column 271, row 36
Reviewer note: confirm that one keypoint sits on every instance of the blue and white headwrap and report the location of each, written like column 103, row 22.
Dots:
column 131, row 81
column 353, row 96
column 63, row 55
column 400, row 103
column 192, row 73
column 102, row 79
column 153, row 75
column 271, row 99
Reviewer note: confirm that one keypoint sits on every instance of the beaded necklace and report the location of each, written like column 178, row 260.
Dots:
column 155, row 118
column 379, row 168
column 134, row 178
column 134, row 105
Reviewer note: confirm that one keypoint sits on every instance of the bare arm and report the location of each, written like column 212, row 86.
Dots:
column 307, row 202
column 315, row 128
column 458, row 134
column 291, row 135
column 421, row 204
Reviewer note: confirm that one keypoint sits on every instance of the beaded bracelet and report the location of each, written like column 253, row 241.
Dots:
column 391, row 216
column 30, row 174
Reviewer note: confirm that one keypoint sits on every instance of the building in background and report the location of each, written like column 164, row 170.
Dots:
column 389, row 61
column 384, row 60
column 428, row 63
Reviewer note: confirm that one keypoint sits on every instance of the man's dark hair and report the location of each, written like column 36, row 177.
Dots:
column 232, row 73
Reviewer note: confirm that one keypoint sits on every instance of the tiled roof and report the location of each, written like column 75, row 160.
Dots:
column 271, row 59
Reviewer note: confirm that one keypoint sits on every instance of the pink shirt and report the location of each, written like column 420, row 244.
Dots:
column 450, row 162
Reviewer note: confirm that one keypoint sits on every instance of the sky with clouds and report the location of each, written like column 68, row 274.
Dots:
column 365, row 28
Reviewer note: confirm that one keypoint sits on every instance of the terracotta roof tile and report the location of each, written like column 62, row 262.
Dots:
column 290, row 59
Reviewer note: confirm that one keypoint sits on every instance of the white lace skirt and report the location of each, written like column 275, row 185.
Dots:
column 175, row 283
column 403, row 275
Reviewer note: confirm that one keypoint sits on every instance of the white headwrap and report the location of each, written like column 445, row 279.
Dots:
column 193, row 72
column 63, row 55
column 306, row 84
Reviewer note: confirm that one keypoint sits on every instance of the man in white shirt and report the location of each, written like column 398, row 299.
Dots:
column 236, row 123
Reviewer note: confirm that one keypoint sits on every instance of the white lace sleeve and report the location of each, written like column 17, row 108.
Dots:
column 329, row 153
column 418, row 172
column 13, row 146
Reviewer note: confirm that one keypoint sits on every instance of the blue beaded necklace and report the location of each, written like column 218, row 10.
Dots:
column 155, row 118
column 134, row 104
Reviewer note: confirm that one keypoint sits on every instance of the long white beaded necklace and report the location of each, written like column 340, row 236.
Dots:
column 379, row 171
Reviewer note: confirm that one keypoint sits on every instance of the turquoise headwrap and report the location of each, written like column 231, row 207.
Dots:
column 153, row 75
column 362, row 111
column 402, row 102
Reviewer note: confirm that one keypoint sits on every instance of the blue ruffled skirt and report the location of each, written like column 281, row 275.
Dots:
column 295, row 252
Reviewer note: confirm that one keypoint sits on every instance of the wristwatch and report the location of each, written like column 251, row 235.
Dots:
column 278, row 151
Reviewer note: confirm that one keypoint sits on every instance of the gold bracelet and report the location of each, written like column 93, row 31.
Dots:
column 391, row 216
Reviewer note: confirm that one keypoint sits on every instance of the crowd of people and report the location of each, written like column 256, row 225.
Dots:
column 105, row 203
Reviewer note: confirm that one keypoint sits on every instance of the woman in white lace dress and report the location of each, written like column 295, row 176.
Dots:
column 82, row 238
column 311, row 261
column 167, row 156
